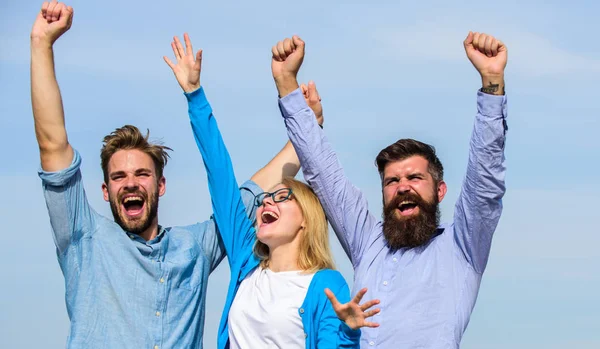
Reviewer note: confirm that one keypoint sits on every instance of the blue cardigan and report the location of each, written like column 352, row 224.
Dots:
column 322, row 328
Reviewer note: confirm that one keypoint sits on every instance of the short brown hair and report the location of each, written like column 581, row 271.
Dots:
column 405, row 148
column 129, row 137
column 315, row 253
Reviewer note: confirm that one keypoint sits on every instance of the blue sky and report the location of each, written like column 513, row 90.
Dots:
column 386, row 70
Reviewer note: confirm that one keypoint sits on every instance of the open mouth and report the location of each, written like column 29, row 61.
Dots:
column 133, row 205
column 269, row 217
column 407, row 207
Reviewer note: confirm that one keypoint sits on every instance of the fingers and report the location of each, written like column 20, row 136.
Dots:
column 313, row 94
column 332, row 299
column 283, row 49
column 188, row 44
column 370, row 324
column 169, row 63
column 50, row 15
column 275, row 53
column 175, row 50
column 469, row 39
column 372, row 312
column 45, row 6
column 304, row 90
column 299, row 44
column 66, row 15
column 179, row 47
column 369, row 304
column 484, row 43
column 198, row 63
column 359, row 296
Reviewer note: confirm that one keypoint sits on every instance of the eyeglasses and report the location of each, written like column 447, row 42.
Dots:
column 280, row 195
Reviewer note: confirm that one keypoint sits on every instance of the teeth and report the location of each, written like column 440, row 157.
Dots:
column 270, row 214
column 407, row 203
column 132, row 198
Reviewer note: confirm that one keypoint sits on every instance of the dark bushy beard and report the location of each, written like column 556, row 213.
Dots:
column 410, row 231
column 137, row 226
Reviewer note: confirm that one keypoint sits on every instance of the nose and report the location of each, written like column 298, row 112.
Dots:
column 403, row 188
column 268, row 200
column 131, row 183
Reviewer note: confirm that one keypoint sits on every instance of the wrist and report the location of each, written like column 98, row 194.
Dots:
column 492, row 84
column 38, row 43
column 286, row 84
column 190, row 88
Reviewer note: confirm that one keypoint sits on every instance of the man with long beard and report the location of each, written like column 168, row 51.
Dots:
column 130, row 283
column 426, row 275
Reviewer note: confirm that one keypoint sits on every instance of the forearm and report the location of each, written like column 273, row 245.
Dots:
column 479, row 205
column 284, row 164
column 228, row 208
column 345, row 206
column 55, row 151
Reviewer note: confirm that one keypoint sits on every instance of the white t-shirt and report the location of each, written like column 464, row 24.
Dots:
column 264, row 313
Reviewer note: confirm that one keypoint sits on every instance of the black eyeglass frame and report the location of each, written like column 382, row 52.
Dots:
column 260, row 198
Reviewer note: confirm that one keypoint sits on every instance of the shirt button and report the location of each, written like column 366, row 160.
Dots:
column 156, row 347
column 162, row 280
column 131, row 236
column 158, row 313
column 385, row 283
column 395, row 259
column 371, row 343
column 301, row 311
column 305, row 335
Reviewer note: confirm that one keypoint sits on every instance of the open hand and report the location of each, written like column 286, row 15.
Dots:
column 352, row 313
column 52, row 21
column 312, row 98
column 187, row 69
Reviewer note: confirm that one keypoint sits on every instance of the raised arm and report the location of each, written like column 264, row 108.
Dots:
column 345, row 206
column 286, row 162
column 230, row 214
column 479, row 205
column 52, row 21
column 71, row 216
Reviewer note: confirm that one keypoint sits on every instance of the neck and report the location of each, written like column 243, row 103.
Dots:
column 152, row 231
column 284, row 257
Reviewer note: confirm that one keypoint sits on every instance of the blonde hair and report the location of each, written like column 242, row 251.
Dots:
column 315, row 253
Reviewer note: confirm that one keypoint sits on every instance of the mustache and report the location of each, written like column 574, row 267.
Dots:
column 409, row 196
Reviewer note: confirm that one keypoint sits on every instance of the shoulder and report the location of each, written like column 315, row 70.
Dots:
column 331, row 279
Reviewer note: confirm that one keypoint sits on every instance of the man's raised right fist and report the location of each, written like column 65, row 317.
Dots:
column 52, row 21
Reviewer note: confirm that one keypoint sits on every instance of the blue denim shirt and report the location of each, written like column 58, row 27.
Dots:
column 123, row 291
column 427, row 293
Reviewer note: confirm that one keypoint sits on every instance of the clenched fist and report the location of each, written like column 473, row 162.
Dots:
column 52, row 21
column 288, row 55
column 489, row 56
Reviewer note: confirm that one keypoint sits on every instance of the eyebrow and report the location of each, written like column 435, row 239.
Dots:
column 138, row 171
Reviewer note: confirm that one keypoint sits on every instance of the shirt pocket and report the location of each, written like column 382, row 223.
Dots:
column 188, row 269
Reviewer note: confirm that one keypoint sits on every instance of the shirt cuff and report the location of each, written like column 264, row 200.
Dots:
column 62, row 177
column 350, row 333
column 197, row 98
column 251, row 187
column 292, row 103
column 491, row 105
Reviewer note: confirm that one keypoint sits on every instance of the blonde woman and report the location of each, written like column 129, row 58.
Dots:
column 280, row 269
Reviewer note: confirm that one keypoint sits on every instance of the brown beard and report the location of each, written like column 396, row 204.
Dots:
column 410, row 231
column 139, row 226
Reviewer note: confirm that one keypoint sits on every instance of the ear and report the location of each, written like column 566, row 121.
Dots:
column 105, row 191
column 162, row 186
column 442, row 189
